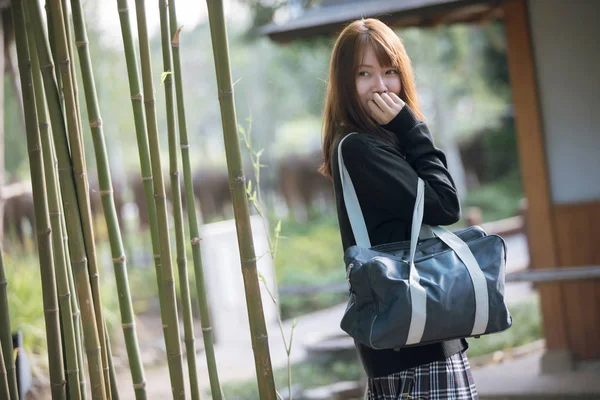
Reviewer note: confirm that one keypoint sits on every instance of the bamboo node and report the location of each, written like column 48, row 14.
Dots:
column 157, row 256
column 208, row 329
column 65, row 295
column 96, row 124
column 124, row 9
column 241, row 178
column 44, row 124
column 120, row 260
column 175, row 41
column 94, row 275
column 82, row 261
column 146, row 178
column 55, row 214
column 128, row 325
column 75, row 314
column 195, row 241
column 140, row 385
column 138, row 96
column 63, row 383
column 49, row 65
column 45, row 232
column 149, row 101
column 185, row 146
column 50, row 310
column 80, row 43
column 4, row 283
column 249, row 260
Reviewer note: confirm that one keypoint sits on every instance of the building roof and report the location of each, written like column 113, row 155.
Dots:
column 332, row 15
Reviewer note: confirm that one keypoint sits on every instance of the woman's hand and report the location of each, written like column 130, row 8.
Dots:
column 385, row 107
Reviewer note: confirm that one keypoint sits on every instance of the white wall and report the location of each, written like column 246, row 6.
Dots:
column 566, row 41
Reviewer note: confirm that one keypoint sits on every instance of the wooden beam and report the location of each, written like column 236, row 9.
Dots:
column 532, row 158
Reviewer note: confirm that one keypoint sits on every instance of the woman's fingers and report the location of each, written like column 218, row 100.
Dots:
column 396, row 99
column 376, row 112
column 381, row 102
column 389, row 100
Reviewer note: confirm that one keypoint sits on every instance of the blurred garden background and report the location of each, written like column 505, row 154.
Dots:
column 462, row 77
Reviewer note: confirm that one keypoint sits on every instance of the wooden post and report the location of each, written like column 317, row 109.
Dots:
column 532, row 158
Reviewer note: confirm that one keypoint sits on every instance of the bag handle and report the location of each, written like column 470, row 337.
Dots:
column 418, row 296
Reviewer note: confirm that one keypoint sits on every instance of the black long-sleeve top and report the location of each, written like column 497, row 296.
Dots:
column 384, row 177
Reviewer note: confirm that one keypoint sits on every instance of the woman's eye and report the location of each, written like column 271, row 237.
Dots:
column 392, row 72
column 363, row 73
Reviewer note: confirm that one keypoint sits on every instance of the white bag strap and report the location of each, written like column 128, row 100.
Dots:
column 357, row 221
column 417, row 292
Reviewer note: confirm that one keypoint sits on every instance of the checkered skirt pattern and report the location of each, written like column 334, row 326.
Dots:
column 441, row 380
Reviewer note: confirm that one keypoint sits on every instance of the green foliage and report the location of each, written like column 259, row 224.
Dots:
column 497, row 200
column 25, row 300
column 526, row 328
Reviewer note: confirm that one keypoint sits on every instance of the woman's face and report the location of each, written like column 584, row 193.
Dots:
column 373, row 78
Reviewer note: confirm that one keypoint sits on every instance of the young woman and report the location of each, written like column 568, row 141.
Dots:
column 372, row 92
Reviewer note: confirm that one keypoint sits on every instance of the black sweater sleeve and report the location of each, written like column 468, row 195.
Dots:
column 386, row 181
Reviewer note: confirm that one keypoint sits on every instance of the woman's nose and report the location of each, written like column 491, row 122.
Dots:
column 380, row 86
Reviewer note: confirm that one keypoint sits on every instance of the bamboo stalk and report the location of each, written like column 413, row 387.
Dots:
column 54, row 208
column 113, row 375
column 184, row 286
column 42, row 220
column 143, row 150
column 79, row 167
column 53, row 51
column 76, row 244
column 172, row 320
column 108, row 205
column 237, row 183
column 8, row 361
column 4, row 390
column 207, row 334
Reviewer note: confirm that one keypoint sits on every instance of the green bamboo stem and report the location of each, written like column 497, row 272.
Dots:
column 76, row 316
column 108, row 204
column 54, row 208
column 237, row 183
column 42, row 220
column 113, row 375
column 8, row 361
column 75, row 87
column 207, row 334
column 143, row 150
column 76, row 244
column 184, row 285
column 79, row 167
column 53, row 50
column 4, row 390
column 174, row 355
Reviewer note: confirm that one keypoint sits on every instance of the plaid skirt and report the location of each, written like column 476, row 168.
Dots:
column 440, row 380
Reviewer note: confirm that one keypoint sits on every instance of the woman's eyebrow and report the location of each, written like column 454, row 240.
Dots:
column 366, row 65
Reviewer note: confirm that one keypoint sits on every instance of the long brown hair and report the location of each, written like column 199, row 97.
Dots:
column 343, row 111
